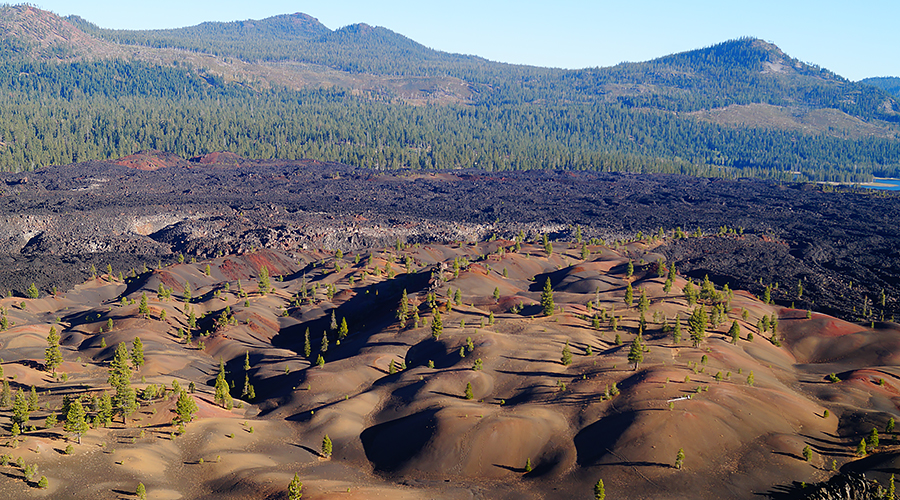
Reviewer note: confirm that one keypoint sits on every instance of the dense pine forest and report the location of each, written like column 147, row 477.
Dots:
column 637, row 117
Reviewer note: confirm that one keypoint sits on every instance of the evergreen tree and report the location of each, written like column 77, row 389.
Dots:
column 403, row 309
column 566, row 355
column 307, row 345
column 690, row 293
column 144, row 307
column 52, row 355
column 323, row 346
column 734, row 332
column 469, row 394
column 707, row 290
column 187, row 292
column 679, row 459
column 265, row 284
column 807, row 453
column 75, row 419
column 861, row 448
column 547, row 299
column 223, row 391
column 185, row 407
column 629, row 295
column 5, row 395
column 599, row 490
column 643, row 302
column 872, row 439
column 343, row 330
column 33, row 403
column 437, row 326
column 676, row 332
column 295, row 489
column 21, row 411
column 326, row 446
column 105, row 409
column 137, row 353
column 629, row 269
column 636, row 353
column 141, row 491
column 698, row 322
column 32, row 292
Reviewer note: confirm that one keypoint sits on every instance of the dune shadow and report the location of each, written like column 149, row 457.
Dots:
column 307, row 448
column 441, row 393
column 592, row 441
column 389, row 445
column 517, row 470
column 789, row 455
column 641, row 464
column 530, row 360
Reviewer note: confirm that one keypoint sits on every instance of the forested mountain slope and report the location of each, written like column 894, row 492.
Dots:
column 289, row 87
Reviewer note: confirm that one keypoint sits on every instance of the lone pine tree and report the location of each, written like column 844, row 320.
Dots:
column 547, row 299
column 76, row 422
column 52, row 355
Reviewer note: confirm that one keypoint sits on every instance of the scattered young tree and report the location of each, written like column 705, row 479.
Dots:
column 326, row 446
column 185, row 407
column 295, row 489
column 629, row 295
column 223, row 391
column 697, row 323
column 599, row 490
column 52, row 355
column 469, row 394
column 76, row 422
column 872, row 440
column 265, row 284
column 807, row 453
column 751, row 379
column 861, row 448
column 141, row 491
column 636, row 353
column 403, row 309
column 676, row 331
column 629, row 269
column 307, row 344
column 643, row 302
column 137, row 353
column 32, row 292
column 144, row 307
column 437, row 326
column 890, row 425
column 343, row 330
column 21, row 411
column 566, row 358
column 679, row 459
column 734, row 332
column 547, row 304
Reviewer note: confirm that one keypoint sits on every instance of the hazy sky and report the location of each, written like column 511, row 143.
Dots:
column 854, row 39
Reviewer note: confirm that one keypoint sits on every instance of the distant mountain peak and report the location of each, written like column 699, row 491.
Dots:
column 25, row 29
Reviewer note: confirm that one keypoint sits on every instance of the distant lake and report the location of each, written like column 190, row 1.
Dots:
column 889, row 184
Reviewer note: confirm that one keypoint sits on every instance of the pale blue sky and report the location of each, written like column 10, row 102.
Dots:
column 855, row 40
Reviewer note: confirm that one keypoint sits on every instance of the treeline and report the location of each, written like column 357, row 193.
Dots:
column 741, row 71
column 54, row 113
